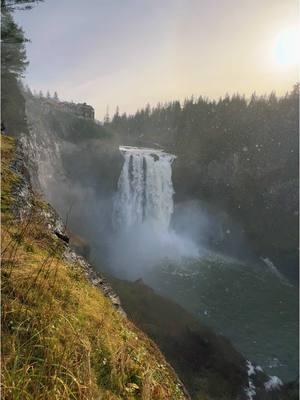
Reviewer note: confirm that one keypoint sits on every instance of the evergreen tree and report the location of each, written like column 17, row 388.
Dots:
column 28, row 90
column 13, row 64
column 106, row 119
column 13, row 53
column 56, row 96
column 116, row 118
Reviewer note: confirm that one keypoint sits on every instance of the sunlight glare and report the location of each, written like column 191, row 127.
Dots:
column 286, row 48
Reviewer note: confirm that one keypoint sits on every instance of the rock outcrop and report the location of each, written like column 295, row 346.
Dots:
column 23, row 195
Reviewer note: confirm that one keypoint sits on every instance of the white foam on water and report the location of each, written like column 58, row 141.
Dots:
column 272, row 267
column 250, row 390
column 274, row 383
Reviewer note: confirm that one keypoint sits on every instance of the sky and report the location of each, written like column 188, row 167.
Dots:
column 128, row 53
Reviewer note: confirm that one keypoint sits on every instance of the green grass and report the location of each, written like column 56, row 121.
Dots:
column 8, row 178
column 61, row 337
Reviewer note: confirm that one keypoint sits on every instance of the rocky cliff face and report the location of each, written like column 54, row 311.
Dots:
column 23, row 203
column 73, row 162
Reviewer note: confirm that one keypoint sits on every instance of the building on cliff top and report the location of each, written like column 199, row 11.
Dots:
column 82, row 110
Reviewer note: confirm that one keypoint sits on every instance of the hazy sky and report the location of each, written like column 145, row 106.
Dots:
column 131, row 52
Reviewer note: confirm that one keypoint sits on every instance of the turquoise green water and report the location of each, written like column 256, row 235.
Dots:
column 256, row 309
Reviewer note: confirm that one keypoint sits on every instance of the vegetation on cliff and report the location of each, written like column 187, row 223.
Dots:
column 61, row 337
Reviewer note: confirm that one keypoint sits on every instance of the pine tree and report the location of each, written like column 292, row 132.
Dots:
column 13, row 65
column 116, row 117
column 48, row 95
column 106, row 119
column 56, row 96
column 28, row 90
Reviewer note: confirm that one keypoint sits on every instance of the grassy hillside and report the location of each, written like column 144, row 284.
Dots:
column 61, row 337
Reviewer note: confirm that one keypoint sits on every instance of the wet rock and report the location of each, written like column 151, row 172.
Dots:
column 94, row 277
column 62, row 236
column 155, row 156
column 21, row 190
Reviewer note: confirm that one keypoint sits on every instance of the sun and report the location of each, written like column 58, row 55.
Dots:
column 287, row 46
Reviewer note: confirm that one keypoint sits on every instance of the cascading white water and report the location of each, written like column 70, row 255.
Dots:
column 145, row 189
column 142, row 213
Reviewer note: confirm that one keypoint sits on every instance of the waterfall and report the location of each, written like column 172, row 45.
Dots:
column 142, row 211
column 145, row 189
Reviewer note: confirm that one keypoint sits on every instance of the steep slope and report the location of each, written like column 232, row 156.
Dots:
column 64, row 335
